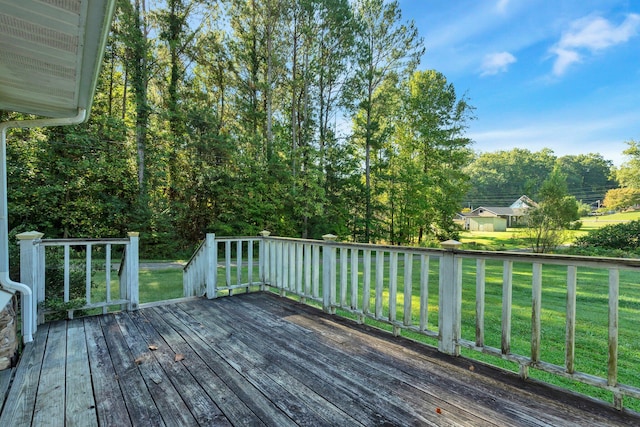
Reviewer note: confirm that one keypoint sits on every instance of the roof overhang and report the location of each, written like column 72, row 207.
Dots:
column 50, row 54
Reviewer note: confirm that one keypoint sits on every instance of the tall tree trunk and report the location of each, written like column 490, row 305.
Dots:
column 139, row 77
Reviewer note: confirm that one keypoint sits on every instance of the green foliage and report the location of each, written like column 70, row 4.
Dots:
column 555, row 213
column 499, row 178
column 624, row 237
column 233, row 124
column 54, row 304
column 621, row 198
column 629, row 172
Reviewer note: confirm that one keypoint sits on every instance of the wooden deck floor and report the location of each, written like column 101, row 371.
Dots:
column 258, row 359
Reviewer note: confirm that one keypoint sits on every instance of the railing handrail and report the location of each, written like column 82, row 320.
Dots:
column 544, row 258
column 81, row 241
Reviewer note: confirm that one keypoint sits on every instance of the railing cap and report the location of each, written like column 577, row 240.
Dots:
column 133, row 234
column 30, row 235
column 450, row 244
column 265, row 233
column 329, row 237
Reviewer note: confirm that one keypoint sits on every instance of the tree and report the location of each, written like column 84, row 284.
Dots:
column 385, row 49
column 556, row 210
column 589, row 176
column 501, row 177
column 428, row 182
column 629, row 172
column 621, row 198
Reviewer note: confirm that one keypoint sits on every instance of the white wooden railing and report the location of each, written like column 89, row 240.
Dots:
column 33, row 263
column 240, row 268
column 373, row 282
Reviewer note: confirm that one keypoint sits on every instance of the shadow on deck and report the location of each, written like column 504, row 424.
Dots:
column 257, row 359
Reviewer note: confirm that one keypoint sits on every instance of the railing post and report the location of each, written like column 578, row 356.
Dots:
column 329, row 274
column 30, row 271
column 132, row 270
column 263, row 259
column 211, row 266
column 449, row 314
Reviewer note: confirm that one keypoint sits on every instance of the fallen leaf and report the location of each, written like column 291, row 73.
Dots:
column 438, row 410
column 179, row 357
column 153, row 347
column 139, row 360
column 472, row 368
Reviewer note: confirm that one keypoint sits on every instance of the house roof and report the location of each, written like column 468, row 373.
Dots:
column 50, row 54
column 498, row 211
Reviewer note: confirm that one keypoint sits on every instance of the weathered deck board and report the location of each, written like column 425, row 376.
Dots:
column 80, row 406
column 50, row 397
column 399, row 398
column 19, row 406
column 216, row 380
column 257, row 359
column 136, row 396
column 110, row 405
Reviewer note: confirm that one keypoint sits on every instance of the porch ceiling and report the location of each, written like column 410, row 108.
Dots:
column 50, row 54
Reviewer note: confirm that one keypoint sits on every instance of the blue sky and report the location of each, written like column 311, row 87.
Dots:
column 560, row 74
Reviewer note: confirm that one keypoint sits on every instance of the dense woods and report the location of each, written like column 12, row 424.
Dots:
column 303, row 117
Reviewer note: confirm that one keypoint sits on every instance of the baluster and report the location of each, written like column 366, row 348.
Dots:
column 107, row 275
column 612, row 361
column 507, row 297
column 66, row 273
column 408, row 288
column 88, row 274
column 480, row 299
column 299, row 270
column 239, row 245
column 250, row 262
column 307, row 270
column 536, row 306
column 393, row 286
column 292, row 267
column 227, row 262
column 572, row 277
column 316, row 271
column 343, row 276
column 379, row 282
column 366, row 280
column 354, row 278
column 424, row 292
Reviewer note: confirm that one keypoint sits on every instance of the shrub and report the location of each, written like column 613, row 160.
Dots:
column 624, row 236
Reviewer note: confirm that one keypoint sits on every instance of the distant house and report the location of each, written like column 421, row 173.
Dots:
column 495, row 218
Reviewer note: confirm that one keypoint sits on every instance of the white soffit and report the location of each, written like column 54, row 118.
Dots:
column 50, row 54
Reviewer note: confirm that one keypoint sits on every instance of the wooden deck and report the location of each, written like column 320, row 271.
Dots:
column 258, row 359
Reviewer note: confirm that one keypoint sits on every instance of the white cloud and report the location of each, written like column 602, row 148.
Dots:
column 495, row 63
column 591, row 34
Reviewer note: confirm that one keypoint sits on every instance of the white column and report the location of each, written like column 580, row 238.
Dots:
column 31, row 271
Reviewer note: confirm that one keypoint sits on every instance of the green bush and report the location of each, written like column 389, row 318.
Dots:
column 623, row 236
column 54, row 304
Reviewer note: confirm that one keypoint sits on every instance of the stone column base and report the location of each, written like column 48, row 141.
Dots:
column 8, row 335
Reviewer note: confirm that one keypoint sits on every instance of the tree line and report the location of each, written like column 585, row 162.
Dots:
column 303, row 117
